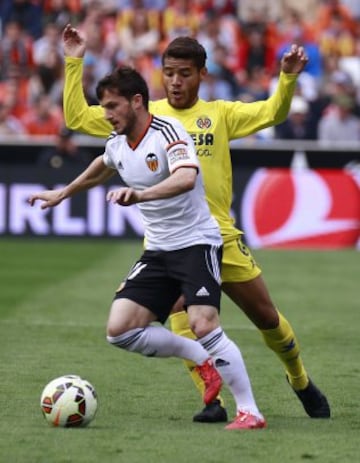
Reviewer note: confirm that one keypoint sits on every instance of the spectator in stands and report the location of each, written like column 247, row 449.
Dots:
column 301, row 37
column 180, row 18
column 292, row 26
column 49, row 43
column 327, row 9
column 353, row 7
column 258, row 18
column 214, row 88
column 128, row 9
column 299, row 125
column 221, row 74
column 89, row 81
column 336, row 39
column 43, row 118
column 351, row 64
column 62, row 12
column 15, row 92
column 30, row 53
column 27, row 13
column 340, row 83
column 65, row 153
column 274, row 9
column 94, row 29
column 218, row 32
column 9, row 124
column 138, row 39
column 129, row 5
column 222, row 7
column 48, row 57
column 255, row 51
column 15, row 50
column 339, row 124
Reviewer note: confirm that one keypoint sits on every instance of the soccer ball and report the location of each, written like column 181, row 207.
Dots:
column 69, row 401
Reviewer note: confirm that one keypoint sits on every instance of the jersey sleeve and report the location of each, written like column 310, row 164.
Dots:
column 181, row 152
column 108, row 159
column 244, row 119
column 78, row 114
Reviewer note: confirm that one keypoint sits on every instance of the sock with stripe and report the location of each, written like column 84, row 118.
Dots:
column 179, row 324
column 283, row 342
column 230, row 364
column 157, row 341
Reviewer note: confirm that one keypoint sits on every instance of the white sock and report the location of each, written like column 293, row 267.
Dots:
column 230, row 364
column 157, row 341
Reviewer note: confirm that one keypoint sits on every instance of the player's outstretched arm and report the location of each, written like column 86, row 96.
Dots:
column 294, row 61
column 78, row 114
column 95, row 174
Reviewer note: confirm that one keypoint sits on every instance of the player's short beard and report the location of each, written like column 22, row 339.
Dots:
column 130, row 123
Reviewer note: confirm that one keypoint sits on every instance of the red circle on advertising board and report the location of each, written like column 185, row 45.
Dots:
column 308, row 208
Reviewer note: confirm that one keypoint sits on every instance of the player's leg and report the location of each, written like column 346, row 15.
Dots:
column 230, row 364
column 128, row 328
column 129, row 319
column 243, row 283
column 179, row 324
column 200, row 266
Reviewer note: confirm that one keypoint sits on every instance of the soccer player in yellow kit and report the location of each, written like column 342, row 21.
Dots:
column 212, row 125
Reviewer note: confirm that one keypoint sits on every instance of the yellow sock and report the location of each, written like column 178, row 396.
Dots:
column 283, row 342
column 179, row 324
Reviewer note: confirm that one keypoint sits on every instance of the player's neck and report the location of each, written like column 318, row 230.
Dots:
column 143, row 122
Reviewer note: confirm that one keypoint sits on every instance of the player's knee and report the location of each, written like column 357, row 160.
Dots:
column 127, row 340
column 203, row 322
column 114, row 331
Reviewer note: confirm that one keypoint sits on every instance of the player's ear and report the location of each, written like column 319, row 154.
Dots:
column 137, row 101
column 203, row 73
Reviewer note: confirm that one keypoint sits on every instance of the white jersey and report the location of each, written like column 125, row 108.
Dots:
column 172, row 223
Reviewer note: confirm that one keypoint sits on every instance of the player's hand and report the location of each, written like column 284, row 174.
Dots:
column 124, row 196
column 294, row 61
column 74, row 45
column 50, row 198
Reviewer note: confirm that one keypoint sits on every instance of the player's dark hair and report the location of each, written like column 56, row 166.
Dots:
column 186, row 48
column 127, row 82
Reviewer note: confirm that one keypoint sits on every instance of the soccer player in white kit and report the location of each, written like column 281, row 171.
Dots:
column 157, row 162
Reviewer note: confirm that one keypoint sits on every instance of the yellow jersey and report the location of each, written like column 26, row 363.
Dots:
column 212, row 125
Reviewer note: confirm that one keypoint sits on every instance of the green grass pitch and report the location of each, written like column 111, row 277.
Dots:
column 54, row 301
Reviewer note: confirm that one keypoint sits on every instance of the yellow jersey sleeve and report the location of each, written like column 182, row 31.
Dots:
column 78, row 114
column 244, row 119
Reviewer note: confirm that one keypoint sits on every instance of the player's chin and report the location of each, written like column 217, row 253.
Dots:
column 177, row 102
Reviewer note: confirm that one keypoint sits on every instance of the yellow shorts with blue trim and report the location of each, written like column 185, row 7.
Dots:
column 238, row 265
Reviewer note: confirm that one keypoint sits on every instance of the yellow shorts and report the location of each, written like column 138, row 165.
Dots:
column 238, row 265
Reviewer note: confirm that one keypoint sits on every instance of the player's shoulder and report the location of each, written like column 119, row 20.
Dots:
column 165, row 120
column 159, row 106
column 114, row 140
column 168, row 127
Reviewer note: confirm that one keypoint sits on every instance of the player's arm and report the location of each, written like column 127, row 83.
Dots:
column 292, row 63
column 78, row 114
column 252, row 117
column 95, row 174
column 180, row 181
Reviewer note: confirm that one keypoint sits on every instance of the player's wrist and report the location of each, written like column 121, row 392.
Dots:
column 73, row 59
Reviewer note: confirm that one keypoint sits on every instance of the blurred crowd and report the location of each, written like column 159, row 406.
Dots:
column 244, row 40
